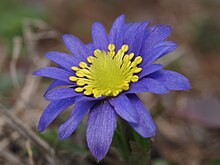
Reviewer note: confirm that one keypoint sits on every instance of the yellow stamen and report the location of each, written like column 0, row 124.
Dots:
column 108, row 73
column 73, row 78
column 83, row 65
column 74, row 68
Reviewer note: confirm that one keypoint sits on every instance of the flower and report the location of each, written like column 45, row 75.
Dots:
column 103, row 78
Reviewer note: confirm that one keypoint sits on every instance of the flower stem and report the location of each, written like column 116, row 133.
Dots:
column 122, row 142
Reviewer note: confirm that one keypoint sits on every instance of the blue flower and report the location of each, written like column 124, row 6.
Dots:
column 103, row 78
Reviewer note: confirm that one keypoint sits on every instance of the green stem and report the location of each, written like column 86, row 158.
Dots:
column 122, row 142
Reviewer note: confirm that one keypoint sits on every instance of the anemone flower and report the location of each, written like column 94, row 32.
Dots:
column 103, row 79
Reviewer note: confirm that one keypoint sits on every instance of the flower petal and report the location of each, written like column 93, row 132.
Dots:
column 150, row 55
column 52, row 111
column 76, row 47
column 100, row 130
column 157, row 33
column 61, row 93
column 63, row 59
column 57, row 83
column 139, row 36
column 79, row 111
column 146, row 70
column 170, row 45
column 134, row 36
column 172, row 80
column 99, row 36
column 117, row 32
column 146, row 126
column 90, row 47
column 148, row 85
column 124, row 108
column 129, row 37
column 55, row 73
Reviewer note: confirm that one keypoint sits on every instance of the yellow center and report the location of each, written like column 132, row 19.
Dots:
column 108, row 74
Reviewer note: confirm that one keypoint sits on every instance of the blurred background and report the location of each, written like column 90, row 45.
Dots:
column 188, row 122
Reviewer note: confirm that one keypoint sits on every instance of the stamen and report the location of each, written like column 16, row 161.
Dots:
column 79, row 89
column 74, row 68
column 108, row 73
column 83, row 65
column 73, row 78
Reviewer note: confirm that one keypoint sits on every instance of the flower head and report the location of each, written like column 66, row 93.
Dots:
column 103, row 78
column 108, row 73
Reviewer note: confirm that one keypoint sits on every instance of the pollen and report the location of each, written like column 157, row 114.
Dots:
column 107, row 73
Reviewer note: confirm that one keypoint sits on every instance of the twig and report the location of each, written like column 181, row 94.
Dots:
column 17, row 123
column 31, row 40
column 29, row 150
column 17, row 44
column 5, row 142
column 30, row 87
column 23, row 129
column 11, row 158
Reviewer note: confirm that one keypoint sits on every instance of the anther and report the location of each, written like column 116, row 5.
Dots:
column 134, row 78
column 73, row 78
column 138, row 59
column 136, row 70
column 131, row 56
column 80, row 82
column 111, row 47
column 79, row 89
column 87, row 93
column 83, row 65
column 80, row 73
column 97, row 52
column 90, row 59
column 74, row 68
column 124, row 48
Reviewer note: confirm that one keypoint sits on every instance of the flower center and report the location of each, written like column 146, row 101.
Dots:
column 108, row 73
